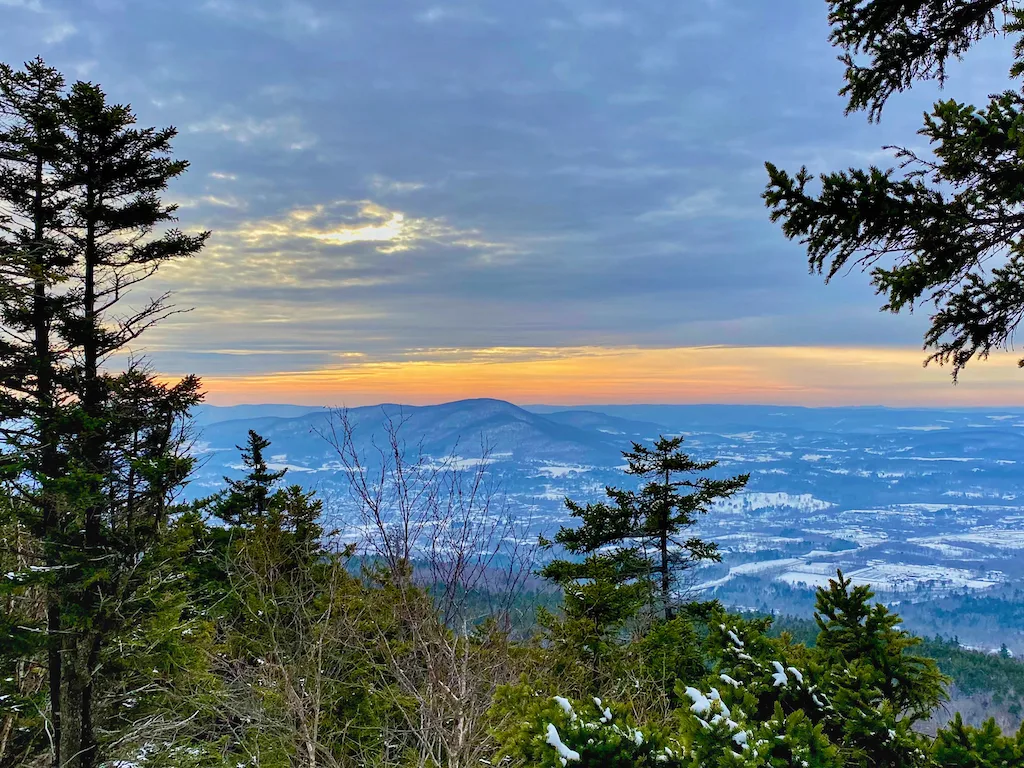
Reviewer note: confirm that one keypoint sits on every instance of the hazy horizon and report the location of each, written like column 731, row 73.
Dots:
column 621, row 404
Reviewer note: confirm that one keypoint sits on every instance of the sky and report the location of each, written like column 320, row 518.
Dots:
column 548, row 201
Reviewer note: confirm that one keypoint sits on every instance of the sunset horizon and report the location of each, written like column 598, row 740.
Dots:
column 785, row 376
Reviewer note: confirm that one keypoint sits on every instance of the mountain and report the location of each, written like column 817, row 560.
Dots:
column 211, row 414
column 926, row 505
column 610, row 425
column 468, row 428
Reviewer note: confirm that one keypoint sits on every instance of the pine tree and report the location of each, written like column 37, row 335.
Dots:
column 852, row 629
column 33, row 264
column 84, row 184
column 246, row 500
column 961, row 746
column 944, row 228
column 127, row 441
column 642, row 534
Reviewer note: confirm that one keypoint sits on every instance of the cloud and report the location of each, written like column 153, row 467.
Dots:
column 211, row 200
column 280, row 16
column 769, row 375
column 449, row 175
column 705, row 204
column 59, row 32
column 285, row 130
column 343, row 223
column 388, row 186
column 439, row 14
column 29, row 5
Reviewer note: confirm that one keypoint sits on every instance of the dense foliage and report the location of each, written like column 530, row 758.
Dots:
column 944, row 228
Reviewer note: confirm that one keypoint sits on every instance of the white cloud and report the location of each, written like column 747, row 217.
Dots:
column 441, row 13
column 29, row 5
column 705, row 204
column 385, row 185
column 287, row 130
column 59, row 32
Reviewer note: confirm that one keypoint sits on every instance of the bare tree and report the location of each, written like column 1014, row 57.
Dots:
column 284, row 690
column 439, row 522
column 454, row 560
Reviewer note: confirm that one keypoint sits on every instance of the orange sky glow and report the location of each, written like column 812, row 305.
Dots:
column 770, row 375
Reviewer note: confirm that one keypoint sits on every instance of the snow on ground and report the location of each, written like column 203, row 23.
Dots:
column 747, row 569
column 948, row 550
column 934, row 458
column 458, row 462
column 561, row 470
column 744, row 502
column 805, row 579
column 893, row 577
column 751, row 542
column 760, row 458
column 865, row 537
column 551, row 494
column 997, row 538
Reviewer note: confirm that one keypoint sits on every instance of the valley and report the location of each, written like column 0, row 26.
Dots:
column 925, row 505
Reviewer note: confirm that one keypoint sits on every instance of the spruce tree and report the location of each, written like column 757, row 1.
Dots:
column 246, row 500
column 33, row 264
column 872, row 657
column 961, row 746
column 645, row 535
column 942, row 229
column 98, row 452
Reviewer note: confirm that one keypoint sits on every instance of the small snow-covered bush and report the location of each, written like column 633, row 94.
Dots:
column 559, row 733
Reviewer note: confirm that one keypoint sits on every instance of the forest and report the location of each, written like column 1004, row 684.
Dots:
column 251, row 627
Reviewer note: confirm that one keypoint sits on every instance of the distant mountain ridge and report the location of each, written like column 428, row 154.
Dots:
column 924, row 504
column 467, row 427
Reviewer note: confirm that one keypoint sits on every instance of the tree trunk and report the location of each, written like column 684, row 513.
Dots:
column 666, row 584
column 78, row 743
column 47, row 441
column 78, row 747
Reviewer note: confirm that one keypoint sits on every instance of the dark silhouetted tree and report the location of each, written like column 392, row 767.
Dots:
column 95, row 451
column 945, row 228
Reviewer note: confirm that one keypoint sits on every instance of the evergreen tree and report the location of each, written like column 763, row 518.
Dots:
column 23, row 669
column 856, row 632
column 85, row 186
column 944, row 228
column 246, row 500
column 961, row 746
column 33, row 264
column 641, row 536
column 127, row 441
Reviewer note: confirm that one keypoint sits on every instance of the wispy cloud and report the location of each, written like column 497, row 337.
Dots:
column 59, row 32
column 453, row 175
column 29, row 5
column 285, row 130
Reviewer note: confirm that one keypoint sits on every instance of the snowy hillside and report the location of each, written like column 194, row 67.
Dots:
column 918, row 503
